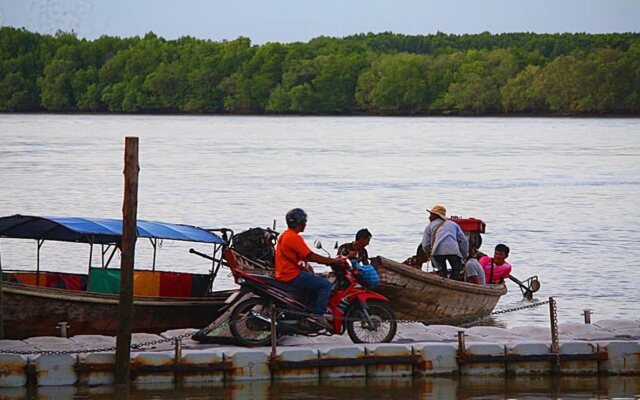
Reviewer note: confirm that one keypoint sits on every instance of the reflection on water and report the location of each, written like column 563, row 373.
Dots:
column 486, row 387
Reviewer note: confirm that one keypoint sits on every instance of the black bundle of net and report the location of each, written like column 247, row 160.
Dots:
column 257, row 244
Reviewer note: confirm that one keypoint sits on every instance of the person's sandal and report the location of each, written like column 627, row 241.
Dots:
column 321, row 322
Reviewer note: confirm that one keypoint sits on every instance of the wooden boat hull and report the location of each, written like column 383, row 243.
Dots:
column 418, row 295
column 30, row 311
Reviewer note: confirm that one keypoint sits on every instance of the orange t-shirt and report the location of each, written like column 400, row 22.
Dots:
column 291, row 253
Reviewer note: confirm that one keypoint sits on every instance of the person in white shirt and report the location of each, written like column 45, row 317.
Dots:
column 444, row 241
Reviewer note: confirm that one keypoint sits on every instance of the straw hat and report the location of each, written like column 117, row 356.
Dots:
column 439, row 210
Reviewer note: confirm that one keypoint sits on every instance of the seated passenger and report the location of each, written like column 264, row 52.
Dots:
column 417, row 260
column 496, row 268
column 356, row 250
column 473, row 270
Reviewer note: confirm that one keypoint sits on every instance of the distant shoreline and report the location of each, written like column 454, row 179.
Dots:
column 392, row 115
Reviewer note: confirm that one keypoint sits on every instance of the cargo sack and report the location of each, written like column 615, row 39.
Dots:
column 368, row 275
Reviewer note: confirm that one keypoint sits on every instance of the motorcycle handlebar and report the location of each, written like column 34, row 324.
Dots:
column 342, row 265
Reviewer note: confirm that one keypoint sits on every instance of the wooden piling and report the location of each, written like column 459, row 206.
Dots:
column 1, row 304
column 127, row 248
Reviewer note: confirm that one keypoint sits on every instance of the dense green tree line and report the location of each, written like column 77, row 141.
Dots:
column 370, row 73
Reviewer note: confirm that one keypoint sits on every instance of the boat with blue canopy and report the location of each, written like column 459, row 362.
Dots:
column 35, row 302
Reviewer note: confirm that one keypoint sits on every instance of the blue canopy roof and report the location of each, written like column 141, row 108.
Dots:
column 97, row 230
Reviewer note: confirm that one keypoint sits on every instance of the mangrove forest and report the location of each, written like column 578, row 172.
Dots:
column 364, row 74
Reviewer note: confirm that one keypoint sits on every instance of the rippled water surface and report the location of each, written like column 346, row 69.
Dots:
column 562, row 193
column 464, row 387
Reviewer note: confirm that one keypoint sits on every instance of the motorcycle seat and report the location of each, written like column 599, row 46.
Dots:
column 299, row 294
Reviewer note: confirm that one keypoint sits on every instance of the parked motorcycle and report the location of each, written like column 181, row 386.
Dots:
column 365, row 315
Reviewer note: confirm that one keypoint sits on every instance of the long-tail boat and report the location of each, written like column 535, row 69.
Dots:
column 35, row 302
column 426, row 296
column 420, row 295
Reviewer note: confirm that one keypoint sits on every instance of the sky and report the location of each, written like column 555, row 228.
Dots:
column 301, row 20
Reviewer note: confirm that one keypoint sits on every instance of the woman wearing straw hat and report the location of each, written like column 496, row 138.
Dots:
column 444, row 241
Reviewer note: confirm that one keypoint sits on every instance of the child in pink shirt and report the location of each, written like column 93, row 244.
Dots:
column 496, row 269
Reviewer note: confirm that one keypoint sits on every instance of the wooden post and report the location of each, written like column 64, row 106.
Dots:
column 127, row 247
column 1, row 303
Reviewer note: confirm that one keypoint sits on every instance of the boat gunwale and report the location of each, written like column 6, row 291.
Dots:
column 102, row 298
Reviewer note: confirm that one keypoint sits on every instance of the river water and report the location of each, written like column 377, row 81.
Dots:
column 563, row 193
column 480, row 388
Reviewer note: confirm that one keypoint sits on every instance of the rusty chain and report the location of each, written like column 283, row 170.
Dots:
column 555, row 346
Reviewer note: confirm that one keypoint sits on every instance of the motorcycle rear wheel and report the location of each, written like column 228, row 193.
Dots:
column 245, row 325
column 384, row 327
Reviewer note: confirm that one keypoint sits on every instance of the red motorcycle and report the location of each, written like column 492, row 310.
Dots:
column 364, row 314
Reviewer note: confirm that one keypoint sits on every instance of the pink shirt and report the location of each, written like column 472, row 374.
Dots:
column 500, row 272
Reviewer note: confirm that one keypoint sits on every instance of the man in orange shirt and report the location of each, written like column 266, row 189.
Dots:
column 292, row 255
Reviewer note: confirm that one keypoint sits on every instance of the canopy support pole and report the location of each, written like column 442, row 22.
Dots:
column 215, row 268
column 90, row 252
column 113, row 253
column 154, row 243
column 40, row 242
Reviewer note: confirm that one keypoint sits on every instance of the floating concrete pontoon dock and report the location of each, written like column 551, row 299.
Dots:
column 609, row 347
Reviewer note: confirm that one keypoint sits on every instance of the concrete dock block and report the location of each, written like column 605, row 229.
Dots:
column 142, row 360
column 577, row 331
column 137, row 339
column 615, row 324
column 343, row 353
column 285, row 355
column 6, row 344
column 528, row 367
column 471, row 338
column 583, row 367
column 487, row 331
column 49, row 341
column 626, row 334
column 532, row 333
column 13, row 370
column 447, row 332
column 484, row 368
column 103, row 365
column 92, row 342
column 56, row 369
column 389, row 350
column 248, row 365
column 623, row 358
column 437, row 359
column 202, row 358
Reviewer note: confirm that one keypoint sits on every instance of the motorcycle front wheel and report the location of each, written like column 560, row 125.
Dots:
column 380, row 327
column 249, row 323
